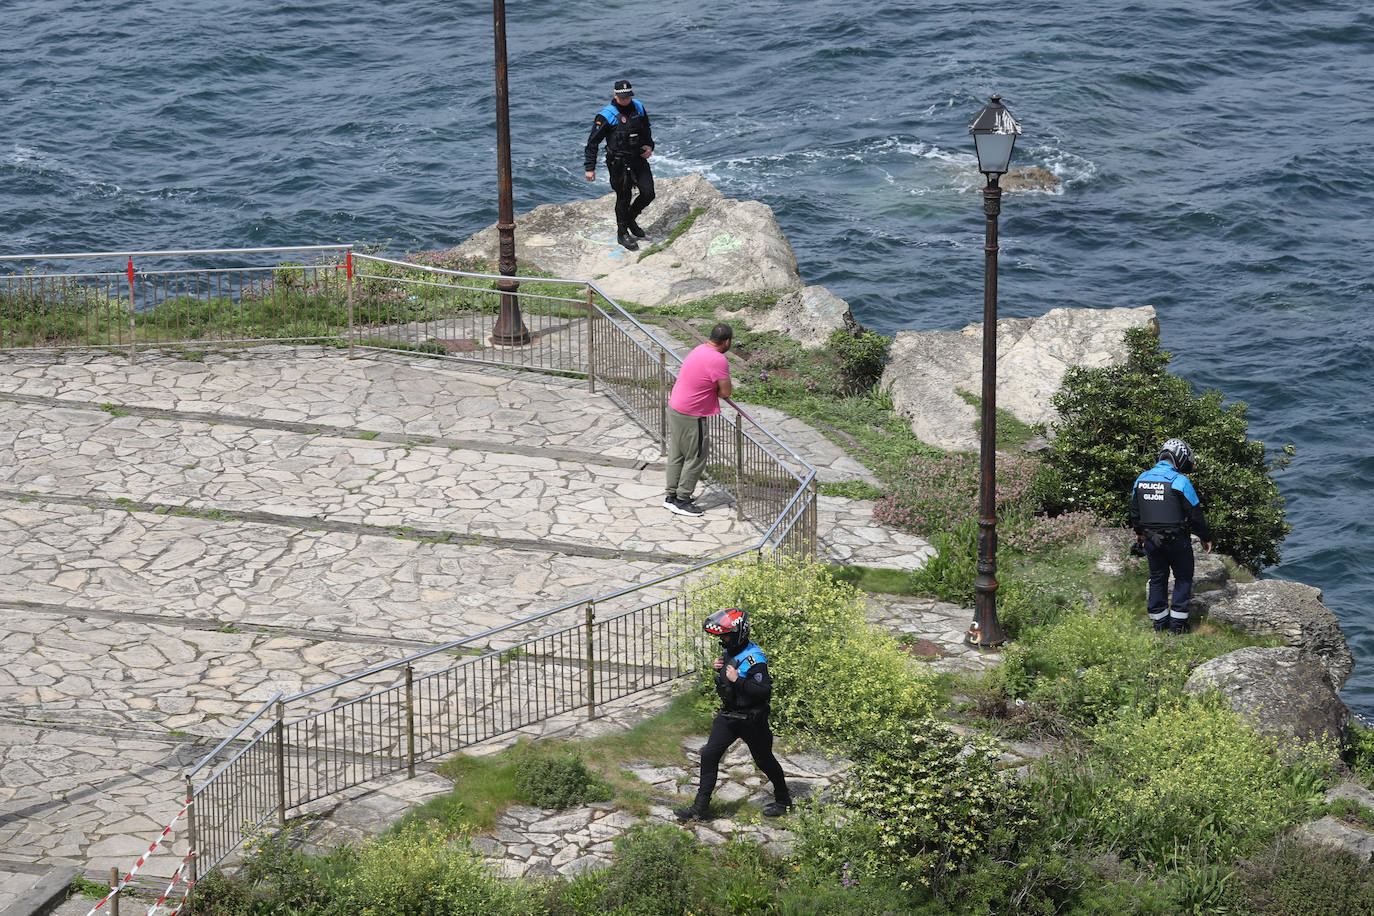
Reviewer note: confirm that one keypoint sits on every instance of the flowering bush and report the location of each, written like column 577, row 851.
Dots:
column 934, row 495
column 835, row 676
column 936, row 798
column 1192, row 774
column 1088, row 666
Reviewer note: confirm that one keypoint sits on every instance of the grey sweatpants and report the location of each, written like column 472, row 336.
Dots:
column 687, row 448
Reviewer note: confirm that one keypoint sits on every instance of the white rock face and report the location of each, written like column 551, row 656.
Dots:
column 808, row 315
column 733, row 246
column 928, row 369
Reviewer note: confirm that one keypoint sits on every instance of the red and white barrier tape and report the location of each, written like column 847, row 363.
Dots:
column 176, row 878
column 141, row 859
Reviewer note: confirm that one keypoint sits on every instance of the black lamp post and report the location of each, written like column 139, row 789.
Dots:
column 509, row 330
column 994, row 134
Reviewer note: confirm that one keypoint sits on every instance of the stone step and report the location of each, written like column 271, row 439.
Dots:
column 245, row 573
column 384, row 394
column 93, row 454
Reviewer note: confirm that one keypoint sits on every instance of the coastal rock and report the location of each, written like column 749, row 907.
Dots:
column 809, row 315
column 1290, row 610
column 1328, row 831
column 1029, row 178
column 927, row 370
column 1284, row 692
column 730, row 246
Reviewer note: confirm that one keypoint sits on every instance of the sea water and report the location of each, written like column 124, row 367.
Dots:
column 1214, row 161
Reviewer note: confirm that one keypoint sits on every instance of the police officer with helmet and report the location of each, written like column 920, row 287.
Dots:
column 624, row 125
column 1165, row 511
column 745, row 689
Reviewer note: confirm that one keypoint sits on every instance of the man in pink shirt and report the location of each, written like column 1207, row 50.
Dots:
column 703, row 380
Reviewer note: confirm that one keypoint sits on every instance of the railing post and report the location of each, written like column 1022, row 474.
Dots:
column 191, row 829
column 114, row 883
column 662, row 402
column 410, row 721
column 133, row 346
column 739, row 466
column 281, row 763
column 591, row 661
column 812, row 538
column 348, row 278
column 591, row 343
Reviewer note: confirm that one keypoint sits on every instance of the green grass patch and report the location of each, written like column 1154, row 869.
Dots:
column 485, row 786
column 851, row 489
column 678, row 230
column 875, row 581
column 1011, row 432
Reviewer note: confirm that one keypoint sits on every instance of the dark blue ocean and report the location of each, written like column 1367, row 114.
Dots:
column 1215, row 160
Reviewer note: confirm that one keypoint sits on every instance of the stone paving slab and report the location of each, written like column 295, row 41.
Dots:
column 89, row 799
column 380, row 392
column 202, row 570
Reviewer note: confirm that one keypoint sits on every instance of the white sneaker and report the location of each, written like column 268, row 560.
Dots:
column 686, row 507
column 668, row 502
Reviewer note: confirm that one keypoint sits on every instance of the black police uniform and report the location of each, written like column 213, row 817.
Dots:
column 1165, row 509
column 625, row 128
column 743, row 716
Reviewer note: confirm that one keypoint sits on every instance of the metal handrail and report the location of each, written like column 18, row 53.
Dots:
column 238, row 731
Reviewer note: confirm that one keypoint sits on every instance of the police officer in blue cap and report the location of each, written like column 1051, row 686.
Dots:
column 745, row 689
column 1165, row 511
column 624, row 125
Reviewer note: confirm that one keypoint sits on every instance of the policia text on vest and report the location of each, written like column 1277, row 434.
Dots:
column 1165, row 511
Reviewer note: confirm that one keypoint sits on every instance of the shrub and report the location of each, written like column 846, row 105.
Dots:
column 860, row 357
column 931, row 494
column 1361, row 746
column 1191, row 781
column 935, row 495
column 951, row 574
column 657, row 871
column 936, row 797
column 1111, row 423
column 420, row 871
column 557, row 781
column 1088, row 666
column 1294, row 879
column 814, row 633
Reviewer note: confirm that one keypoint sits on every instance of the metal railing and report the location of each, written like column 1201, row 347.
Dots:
column 299, row 749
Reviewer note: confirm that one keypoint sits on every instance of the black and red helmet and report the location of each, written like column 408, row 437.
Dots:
column 732, row 626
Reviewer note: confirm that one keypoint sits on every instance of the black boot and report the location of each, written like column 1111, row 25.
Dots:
column 696, row 811
column 627, row 240
column 781, row 804
column 635, row 230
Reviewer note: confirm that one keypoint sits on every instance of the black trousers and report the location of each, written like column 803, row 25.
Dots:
column 757, row 736
column 627, row 175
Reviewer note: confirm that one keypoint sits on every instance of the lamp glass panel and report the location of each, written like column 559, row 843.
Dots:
column 994, row 151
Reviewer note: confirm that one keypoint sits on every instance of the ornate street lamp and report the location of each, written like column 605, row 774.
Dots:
column 994, row 134
column 509, row 330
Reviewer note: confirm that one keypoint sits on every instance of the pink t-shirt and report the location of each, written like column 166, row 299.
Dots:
column 694, row 393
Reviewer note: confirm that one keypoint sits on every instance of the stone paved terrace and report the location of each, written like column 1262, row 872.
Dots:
column 182, row 538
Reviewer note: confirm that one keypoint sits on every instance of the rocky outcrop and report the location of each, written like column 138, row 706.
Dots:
column 809, row 315
column 1290, row 610
column 1337, row 834
column 1285, row 692
column 927, row 370
column 1029, row 178
column 730, row 246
